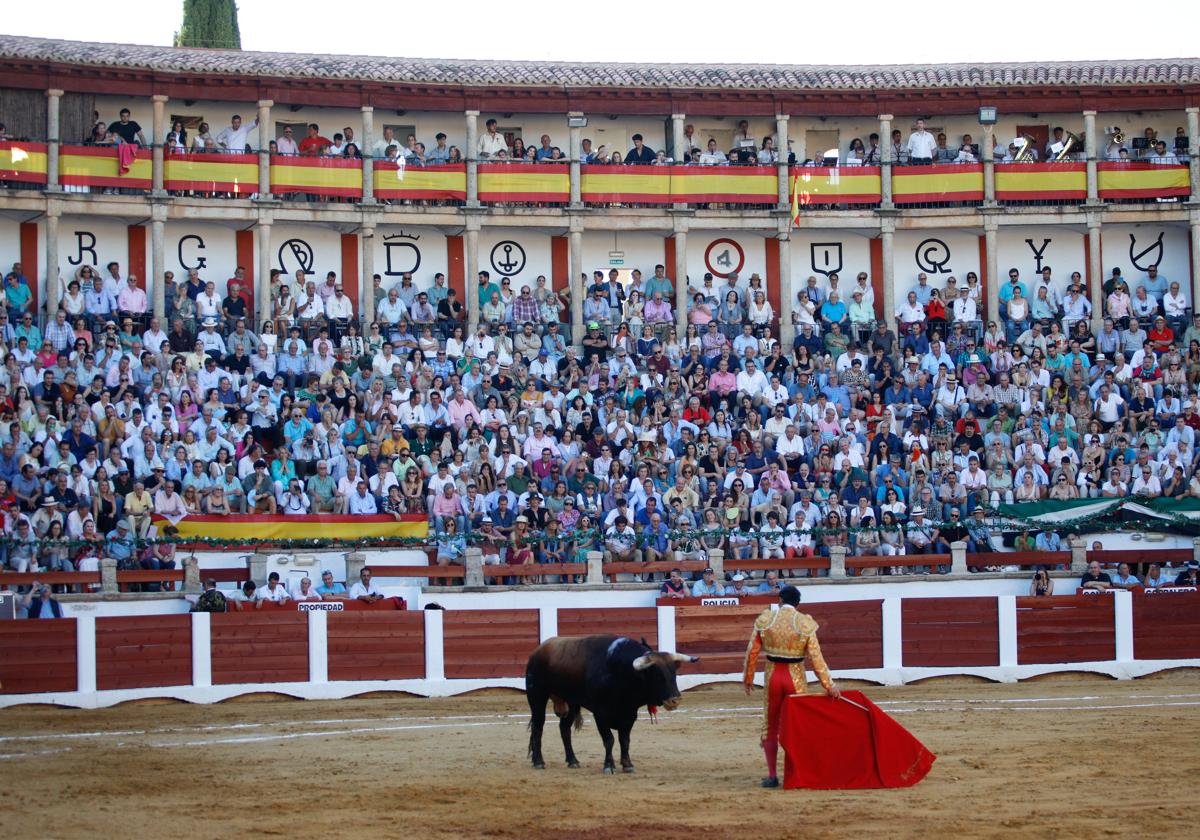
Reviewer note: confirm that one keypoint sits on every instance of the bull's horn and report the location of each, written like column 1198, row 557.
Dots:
column 683, row 658
column 642, row 663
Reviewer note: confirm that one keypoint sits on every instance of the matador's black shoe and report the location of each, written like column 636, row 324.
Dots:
column 770, row 782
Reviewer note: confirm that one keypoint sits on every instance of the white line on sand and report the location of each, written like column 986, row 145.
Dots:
column 905, row 706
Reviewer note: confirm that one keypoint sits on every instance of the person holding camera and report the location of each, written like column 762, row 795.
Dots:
column 39, row 603
column 1042, row 584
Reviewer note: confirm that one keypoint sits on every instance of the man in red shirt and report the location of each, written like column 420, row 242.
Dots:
column 312, row 144
column 1160, row 335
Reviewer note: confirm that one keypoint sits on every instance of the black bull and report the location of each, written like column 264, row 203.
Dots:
column 610, row 676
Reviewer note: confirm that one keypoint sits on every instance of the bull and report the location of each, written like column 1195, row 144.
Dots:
column 610, row 676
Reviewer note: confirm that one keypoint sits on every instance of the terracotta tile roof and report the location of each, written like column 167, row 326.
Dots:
column 790, row 77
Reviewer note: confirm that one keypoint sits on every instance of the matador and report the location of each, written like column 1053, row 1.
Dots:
column 787, row 636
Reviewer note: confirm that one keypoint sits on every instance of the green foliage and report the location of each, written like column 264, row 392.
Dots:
column 211, row 24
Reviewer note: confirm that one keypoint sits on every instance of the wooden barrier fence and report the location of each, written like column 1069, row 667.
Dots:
column 90, row 661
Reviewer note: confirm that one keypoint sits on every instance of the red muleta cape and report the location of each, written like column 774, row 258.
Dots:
column 835, row 745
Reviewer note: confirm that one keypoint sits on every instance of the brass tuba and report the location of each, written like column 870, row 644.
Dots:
column 1118, row 136
column 1025, row 146
column 1071, row 144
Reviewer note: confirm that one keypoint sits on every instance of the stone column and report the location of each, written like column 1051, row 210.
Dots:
column 595, row 568
column 158, row 260
column 53, row 210
column 575, row 283
column 958, row 558
column 1193, row 127
column 264, row 271
column 1096, row 266
column 787, row 291
column 158, row 144
column 987, row 151
column 681, row 281
column 1078, row 554
column 885, row 149
column 366, row 243
column 677, row 126
column 1194, row 230
column 781, row 141
column 888, row 236
column 472, row 301
column 264, row 148
column 108, row 576
column 837, row 561
column 53, row 101
column 473, row 568
column 472, row 166
column 192, row 584
column 716, row 562
column 1091, row 149
column 993, row 281
column 355, row 561
column 368, row 163
column 574, row 153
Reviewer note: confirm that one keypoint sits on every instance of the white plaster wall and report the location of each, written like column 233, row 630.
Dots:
column 210, row 249
column 641, row 250
column 419, row 250
column 1119, row 251
column 10, row 243
column 94, row 241
column 918, row 250
column 324, row 245
column 1062, row 249
column 820, row 252
column 494, row 258
column 753, row 255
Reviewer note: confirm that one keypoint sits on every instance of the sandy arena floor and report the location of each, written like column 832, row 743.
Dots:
column 1057, row 757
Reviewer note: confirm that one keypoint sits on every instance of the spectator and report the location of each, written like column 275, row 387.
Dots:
column 1094, row 578
column 708, row 586
column 365, row 589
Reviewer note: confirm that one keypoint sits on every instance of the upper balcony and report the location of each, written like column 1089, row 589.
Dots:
column 537, row 134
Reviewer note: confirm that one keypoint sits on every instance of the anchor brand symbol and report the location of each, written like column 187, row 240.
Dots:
column 508, row 257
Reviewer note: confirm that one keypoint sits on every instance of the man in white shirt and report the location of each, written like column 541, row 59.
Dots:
column 751, row 382
column 1175, row 308
column 712, row 156
column 921, row 146
column 491, row 141
column 1108, row 405
column 366, row 589
column 236, row 136
column 285, row 144
column 965, row 311
column 274, row 590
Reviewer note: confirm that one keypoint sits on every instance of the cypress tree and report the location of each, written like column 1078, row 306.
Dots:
column 209, row 23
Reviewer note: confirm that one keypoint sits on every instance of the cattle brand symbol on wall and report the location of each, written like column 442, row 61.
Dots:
column 826, row 257
column 200, row 261
column 402, row 254
column 297, row 253
column 724, row 257
column 933, row 256
column 508, row 257
column 1037, row 253
column 1148, row 258
column 85, row 243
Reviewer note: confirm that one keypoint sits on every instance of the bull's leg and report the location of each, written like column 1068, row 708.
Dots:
column 607, row 737
column 537, row 721
column 623, row 730
column 564, row 727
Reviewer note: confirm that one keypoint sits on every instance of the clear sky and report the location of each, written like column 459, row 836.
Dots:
column 819, row 33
